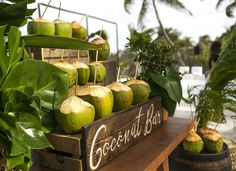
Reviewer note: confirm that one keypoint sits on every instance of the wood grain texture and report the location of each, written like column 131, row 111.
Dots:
column 66, row 143
column 107, row 138
column 58, row 161
column 151, row 152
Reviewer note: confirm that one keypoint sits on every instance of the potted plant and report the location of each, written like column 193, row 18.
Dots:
column 216, row 96
column 157, row 67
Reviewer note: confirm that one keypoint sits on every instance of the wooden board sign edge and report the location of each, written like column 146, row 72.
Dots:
column 100, row 121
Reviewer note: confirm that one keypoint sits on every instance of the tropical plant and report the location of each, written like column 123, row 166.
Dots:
column 15, row 12
column 144, row 10
column 175, row 36
column 157, row 68
column 30, row 90
column 229, row 8
column 28, row 94
column 219, row 92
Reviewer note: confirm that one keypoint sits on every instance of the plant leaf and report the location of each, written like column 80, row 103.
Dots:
column 127, row 4
column 48, row 82
column 2, row 51
column 13, row 161
column 176, row 5
column 17, row 1
column 57, row 42
column 230, row 8
column 27, row 134
column 13, row 11
column 143, row 12
column 167, row 102
column 7, row 62
column 172, row 86
column 3, row 5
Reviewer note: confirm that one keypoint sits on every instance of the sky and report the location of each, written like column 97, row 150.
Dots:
column 206, row 20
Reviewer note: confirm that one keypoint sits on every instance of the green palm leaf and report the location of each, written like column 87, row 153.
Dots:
column 229, row 9
column 176, row 5
column 127, row 4
column 143, row 12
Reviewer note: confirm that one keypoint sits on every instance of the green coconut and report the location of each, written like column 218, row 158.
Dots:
column 213, row 142
column 78, row 31
column 83, row 72
column 70, row 69
column 73, row 114
column 63, row 28
column 204, row 130
column 41, row 26
column 100, row 97
column 140, row 89
column 100, row 73
column 102, row 54
column 123, row 96
column 193, row 143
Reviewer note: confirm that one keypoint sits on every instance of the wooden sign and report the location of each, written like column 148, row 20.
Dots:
column 106, row 138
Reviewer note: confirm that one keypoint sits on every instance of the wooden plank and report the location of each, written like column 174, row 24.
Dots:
column 66, row 143
column 58, row 162
column 106, row 138
column 54, row 55
column 164, row 166
column 110, row 66
column 151, row 152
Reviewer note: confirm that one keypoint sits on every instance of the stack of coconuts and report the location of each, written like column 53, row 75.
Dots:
column 205, row 140
column 58, row 27
column 95, row 102
column 89, row 102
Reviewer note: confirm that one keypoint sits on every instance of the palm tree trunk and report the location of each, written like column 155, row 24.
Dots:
column 161, row 26
column 180, row 60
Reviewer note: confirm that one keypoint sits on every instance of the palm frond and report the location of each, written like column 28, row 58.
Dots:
column 224, row 70
column 127, row 4
column 230, row 8
column 219, row 93
column 143, row 12
column 219, row 3
column 176, row 5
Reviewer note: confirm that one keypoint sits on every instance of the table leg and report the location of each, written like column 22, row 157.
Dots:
column 164, row 166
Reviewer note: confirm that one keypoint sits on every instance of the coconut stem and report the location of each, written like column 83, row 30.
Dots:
column 95, row 74
column 62, row 55
column 197, row 124
column 136, row 71
column 46, row 8
column 101, row 31
column 118, row 75
column 78, row 56
column 209, row 120
column 81, row 19
column 76, row 84
column 59, row 11
column 218, row 122
column 42, row 53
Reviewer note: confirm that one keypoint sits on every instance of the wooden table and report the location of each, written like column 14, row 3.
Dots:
column 152, row 152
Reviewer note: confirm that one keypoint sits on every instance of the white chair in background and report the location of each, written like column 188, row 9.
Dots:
column 197, row 70
column 184, row 69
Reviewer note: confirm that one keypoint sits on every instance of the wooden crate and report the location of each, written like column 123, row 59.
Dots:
column 54, row 55
column 103, row 140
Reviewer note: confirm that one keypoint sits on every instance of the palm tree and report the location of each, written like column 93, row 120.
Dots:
column 229, row 9
column 144, row 9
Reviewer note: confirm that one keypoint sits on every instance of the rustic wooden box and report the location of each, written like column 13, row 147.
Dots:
column 103, row 140
column 54, row 55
